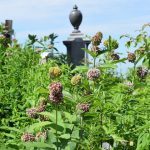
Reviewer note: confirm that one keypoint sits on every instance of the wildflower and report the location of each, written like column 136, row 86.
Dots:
column 55, row 88
column 27, row 137
column 93, row 74
column 131, row 57
column 32, row 112
column 115, row 57
column 84, row 107
column 56, row 98
column 142, row 72
column 42, row 105
column 43, row 118
column 106, row 43
column 76, row 79
column 41, row 135
column 115, row 44
column 128, row 84
column 96, row 40
column 54, row 71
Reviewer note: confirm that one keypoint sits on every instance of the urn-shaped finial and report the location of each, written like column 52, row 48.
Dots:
column 75, row 18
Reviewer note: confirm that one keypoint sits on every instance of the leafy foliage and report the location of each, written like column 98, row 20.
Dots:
column 111, row 111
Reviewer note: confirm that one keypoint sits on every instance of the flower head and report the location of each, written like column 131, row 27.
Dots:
column 32, row 112
column 131, row 57
column 96, row 40
column 115, row 57
column 142, row 72
column 41, row 135
column 27, row 137
column 93, row 74
column 56, row 88
column 84, row 107
column 56, row 98
column 76, row 79
column 54, row 71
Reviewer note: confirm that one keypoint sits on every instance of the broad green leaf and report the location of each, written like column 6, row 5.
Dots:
column 65, row 136
column 71, row 146
column 38, row 125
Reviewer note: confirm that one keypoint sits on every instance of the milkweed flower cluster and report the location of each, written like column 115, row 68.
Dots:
column 128, row 84
column 54, row 72
column 142, row 72
column 26, row 137
column 115, row 57
column 96, row 40
column 131, row 57
column 76, row 79
column 56, row 95
column 41, row 135
column 93, row 74
column 33, row 112
column 84, row 107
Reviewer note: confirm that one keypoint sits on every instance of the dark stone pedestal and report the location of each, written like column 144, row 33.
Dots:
column 75, row 54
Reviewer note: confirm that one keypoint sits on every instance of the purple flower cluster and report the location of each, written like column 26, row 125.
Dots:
column 96, row 40
column 41, row 135
column 56, row 95
column 142, row 72
column 93, row 74
column 84, row 107
column 26, row 137
column 115, row 57
column 131, row 57
column 32, row 112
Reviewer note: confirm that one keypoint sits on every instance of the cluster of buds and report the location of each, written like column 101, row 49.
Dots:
column 96, row 40
column 115, row 56
column 142, row 72
column 56, row 95
column 113, row 43
column 93, row 74
column 41, row 135
column 42, row 105
column 33, row 112
column 131, row 57
column 128, row 84
column 54, row 72
column 28, row 137
column 95, row 49
column 76, row 79
column 83, row 107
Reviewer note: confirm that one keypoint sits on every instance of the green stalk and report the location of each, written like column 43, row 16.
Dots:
column 134, row 72
column 56, row 125
column 94, row 61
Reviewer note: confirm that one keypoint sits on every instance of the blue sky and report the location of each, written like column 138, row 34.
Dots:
column 42, row 17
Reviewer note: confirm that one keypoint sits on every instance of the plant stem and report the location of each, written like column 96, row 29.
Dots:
column 94, row 61
column 134, row 72
column 56, row 125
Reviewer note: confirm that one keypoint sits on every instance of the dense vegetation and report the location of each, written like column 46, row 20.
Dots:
column 51, row 106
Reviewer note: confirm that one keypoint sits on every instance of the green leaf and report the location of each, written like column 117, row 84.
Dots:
column 71, row 118
column 94, row 55
column 65, row 136
column 71, row 146
column 118, row 61
column 42, row 90
column 39, row 145
column 38, row 125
